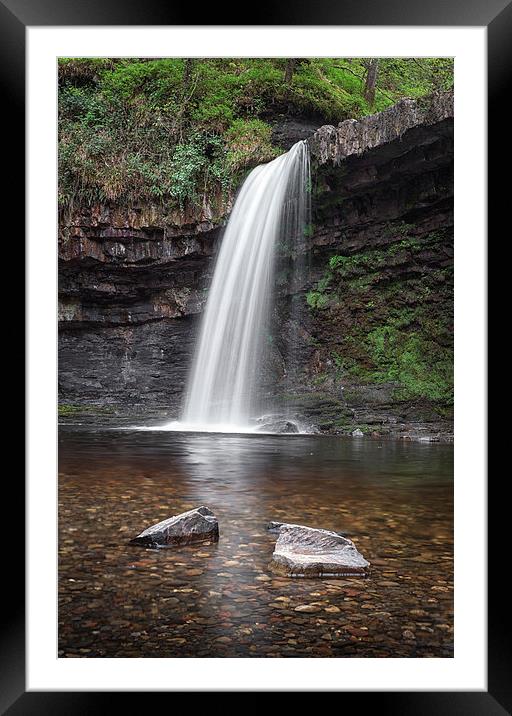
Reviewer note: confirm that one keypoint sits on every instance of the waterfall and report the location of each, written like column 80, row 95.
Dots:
column 271, row 207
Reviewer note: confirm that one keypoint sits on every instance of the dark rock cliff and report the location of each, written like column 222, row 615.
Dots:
column 377, row 285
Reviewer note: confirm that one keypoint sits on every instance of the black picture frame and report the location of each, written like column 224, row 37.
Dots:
column 15, row 16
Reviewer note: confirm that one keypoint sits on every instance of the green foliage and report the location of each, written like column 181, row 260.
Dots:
column 309, row 230
column 345, row 266
column 171, row 129
column 315, row 299
column 323, row 284
column 249, row 143
column 416, row 76
column 400, row 331
column 319, row 299
column 194, row 164
column 70, row 409
column 412, row 359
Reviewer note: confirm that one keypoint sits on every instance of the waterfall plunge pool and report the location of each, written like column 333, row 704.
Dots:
column 264, row 425
column 394, row 499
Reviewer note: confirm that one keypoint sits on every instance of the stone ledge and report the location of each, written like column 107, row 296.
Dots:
column 354, row 137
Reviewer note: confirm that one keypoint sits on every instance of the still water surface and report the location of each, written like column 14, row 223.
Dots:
column 394, row 499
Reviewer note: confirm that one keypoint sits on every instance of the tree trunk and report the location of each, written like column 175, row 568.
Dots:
column 290, row 68
column 187, row 74
column 371, row 81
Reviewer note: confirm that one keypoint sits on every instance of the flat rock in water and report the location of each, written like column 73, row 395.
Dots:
column 197, row 525
column 308, row 552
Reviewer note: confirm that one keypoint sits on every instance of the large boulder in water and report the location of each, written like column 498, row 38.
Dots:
column 198, row 525
column 308, row 552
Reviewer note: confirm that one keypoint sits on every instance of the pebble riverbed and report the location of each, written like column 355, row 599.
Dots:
column 394, row 499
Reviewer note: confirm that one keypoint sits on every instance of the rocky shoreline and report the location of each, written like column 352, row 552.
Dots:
column 100, row 417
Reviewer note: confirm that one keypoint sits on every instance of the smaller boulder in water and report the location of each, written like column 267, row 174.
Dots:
column 308, row 552
column 289, row 427
column 278, row 425
column 198, row 525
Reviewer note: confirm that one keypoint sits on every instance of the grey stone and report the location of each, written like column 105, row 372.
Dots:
column 354, row 137
column 308, row 552
column 198, row 525
column 277, row 424
column 274, row 526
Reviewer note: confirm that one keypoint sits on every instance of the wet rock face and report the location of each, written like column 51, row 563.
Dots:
column 288, row 130
column 307, row 552
column 134, row 281
column 142, row 365
column 199, row 525
column 382, row 203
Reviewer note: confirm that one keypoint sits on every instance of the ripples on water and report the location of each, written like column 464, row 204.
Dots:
column 394, row 499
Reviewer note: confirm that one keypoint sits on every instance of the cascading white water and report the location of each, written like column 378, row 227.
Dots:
column 271, row 207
